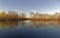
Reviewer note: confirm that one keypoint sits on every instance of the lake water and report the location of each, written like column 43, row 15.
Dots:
column 30, row 29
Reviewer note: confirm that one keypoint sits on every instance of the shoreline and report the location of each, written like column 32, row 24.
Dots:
column 32, row 19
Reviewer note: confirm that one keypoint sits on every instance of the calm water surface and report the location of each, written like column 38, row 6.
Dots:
column 30, row 29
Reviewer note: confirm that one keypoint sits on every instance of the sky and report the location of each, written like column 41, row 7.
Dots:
column 41, row 6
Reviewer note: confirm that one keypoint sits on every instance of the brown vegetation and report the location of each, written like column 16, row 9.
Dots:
column 14, row 16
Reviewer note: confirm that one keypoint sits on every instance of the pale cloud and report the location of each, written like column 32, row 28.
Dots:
column 33, row 11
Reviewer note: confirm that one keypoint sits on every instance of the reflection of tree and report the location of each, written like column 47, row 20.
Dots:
column 36, row 24
column 3, row 24
column 33, row 24
column 22, row 24
column 9, row 24
column 57, row 24
column 13, row 24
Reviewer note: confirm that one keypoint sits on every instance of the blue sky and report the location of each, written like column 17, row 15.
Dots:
column 27, row 5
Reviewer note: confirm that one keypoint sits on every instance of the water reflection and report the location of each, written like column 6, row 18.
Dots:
column 30, row 24
column 29, row 28
column 46, row 24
